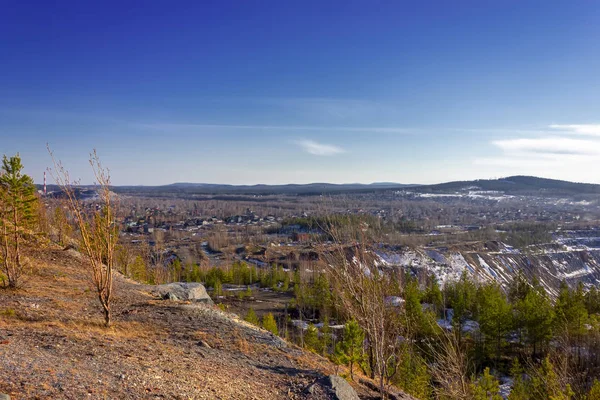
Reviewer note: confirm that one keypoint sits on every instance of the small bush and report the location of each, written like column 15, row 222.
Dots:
column 9, row 313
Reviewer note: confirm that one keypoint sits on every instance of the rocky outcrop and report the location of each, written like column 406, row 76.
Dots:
column 183, row 291
column 334, row 387
column 390, row 392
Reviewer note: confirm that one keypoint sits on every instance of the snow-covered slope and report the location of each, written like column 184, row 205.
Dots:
column 496, row 261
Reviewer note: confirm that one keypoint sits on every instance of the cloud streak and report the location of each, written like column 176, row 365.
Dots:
column 578, row 129
column 549, row 145
column 319, row 149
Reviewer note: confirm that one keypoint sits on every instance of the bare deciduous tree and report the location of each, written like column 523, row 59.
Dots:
column 98, row 230
column 363, row 290
column 450, row 369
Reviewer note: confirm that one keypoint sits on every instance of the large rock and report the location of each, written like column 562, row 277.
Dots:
column 334, row 387
column 183, row 291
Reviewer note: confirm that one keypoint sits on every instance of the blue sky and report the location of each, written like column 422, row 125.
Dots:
column 303, row 91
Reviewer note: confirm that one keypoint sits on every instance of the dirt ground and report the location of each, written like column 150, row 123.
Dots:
column 53, row 344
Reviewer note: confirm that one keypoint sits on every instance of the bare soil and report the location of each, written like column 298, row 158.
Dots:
column 53, row 345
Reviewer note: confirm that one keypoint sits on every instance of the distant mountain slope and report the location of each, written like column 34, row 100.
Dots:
column 309, row 188
column 515, row 185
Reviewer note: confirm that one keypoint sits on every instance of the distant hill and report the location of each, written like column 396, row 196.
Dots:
column 305, row 189
column 522, row 185
column 516, row 185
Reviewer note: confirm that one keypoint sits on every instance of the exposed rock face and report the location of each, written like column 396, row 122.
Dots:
column 335, row 387
column 183, row 291
column 4, row 397
column 573, row 260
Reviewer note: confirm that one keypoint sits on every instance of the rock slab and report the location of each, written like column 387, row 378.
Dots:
column 183, row 291
column 336, row 387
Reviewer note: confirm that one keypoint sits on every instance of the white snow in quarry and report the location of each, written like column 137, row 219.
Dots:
column 550, row 264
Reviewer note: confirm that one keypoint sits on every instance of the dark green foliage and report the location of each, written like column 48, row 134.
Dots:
column 486, row 387
column 519, row 390
column 325, row 340
column 18, row 217
column 433, row 295
column 350, row 348
column 461, row 297
column 571, row 312
column 269, row 323
column 546, row 384
column 251, row 317
column 412, row 374
column 495, row 318
column 418, row 323
column 534, row 317
column 592, row 301
column 311, row 338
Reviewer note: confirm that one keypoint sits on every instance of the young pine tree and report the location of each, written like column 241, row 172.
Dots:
column 350, row 348
column 519, row 391
column 486, row 387
column 270, row 324
column 311, row 338
column 412, row 374
column 325, row 337
column 18, row 214
column 495, row 317
column 251, row 317
column 546, row 384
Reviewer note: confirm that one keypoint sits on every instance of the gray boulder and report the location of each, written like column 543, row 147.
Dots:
column 4, row 396
column 183, row 291
column 334, row 387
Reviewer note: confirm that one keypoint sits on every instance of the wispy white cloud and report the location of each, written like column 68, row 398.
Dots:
column 319, row 149
column 578, row 129
column 564, row 151
column 549, row 145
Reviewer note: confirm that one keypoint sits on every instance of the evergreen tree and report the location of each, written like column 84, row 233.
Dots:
column 18, row 216
column 519, row 391
column 545, row 384
column 270, row 324
column 251, row 317
column 350, row 348
column 592, row 301
column 518, row 288
column 286, row 283
column 137, row 270
column 433, row 295
column 570, row 310
column 486, row 387
column 412, row 375
column 325, row 336
column 218, row 288
column 535, row 315
column 311, row 338
column 418, row 322
column 461, row 296
column 494, row 316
